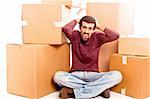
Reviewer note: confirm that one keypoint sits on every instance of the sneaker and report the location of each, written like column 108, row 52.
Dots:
column 66, row 92
column 105, row 94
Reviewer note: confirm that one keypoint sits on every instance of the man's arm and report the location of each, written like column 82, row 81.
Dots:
column 68, row 29
column 107, row 35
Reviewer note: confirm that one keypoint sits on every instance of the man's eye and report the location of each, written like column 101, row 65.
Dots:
column 84, row 27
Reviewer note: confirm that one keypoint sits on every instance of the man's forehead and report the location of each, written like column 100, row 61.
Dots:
column 87, row 24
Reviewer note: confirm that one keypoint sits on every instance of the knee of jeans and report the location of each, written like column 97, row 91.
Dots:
column 117, row 76
column 58, row 76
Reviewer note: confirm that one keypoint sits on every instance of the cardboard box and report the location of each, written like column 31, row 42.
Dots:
column 117, row 16
column 40, row 24
column 104, row 54
column 30, row 68
column 134, row 46
column 70, row 9
column 106, row 13
column 66, row 6
column 136, row 75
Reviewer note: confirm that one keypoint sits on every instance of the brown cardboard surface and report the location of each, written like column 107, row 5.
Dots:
column 104, row 54
column 136, row 75
column 40, row 26
column 30, row 68
column 134, row 46
column 106, row 13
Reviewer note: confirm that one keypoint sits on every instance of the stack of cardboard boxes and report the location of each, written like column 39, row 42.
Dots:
column 31, row 66
column 133, row 60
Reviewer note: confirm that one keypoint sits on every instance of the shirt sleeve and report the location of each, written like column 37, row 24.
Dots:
column 68, row 29
column 108, row 36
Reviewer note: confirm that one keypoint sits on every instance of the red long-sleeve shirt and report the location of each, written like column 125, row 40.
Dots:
column 85, row 56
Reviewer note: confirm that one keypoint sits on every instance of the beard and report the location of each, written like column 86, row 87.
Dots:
column 85, row 37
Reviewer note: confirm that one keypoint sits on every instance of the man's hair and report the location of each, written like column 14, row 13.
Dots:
column 88, row 19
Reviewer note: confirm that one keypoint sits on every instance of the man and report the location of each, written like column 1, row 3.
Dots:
column 84, row 80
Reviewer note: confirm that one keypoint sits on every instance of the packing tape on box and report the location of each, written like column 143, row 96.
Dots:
column 124, row 60
column 123, row 91
column 61, row 24
column 25, row 23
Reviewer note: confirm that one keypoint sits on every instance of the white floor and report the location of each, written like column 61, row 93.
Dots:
column 5, row 95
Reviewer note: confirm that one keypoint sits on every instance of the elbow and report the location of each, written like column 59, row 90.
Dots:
column 63, row 29
column 118, row 36
column 115, row 37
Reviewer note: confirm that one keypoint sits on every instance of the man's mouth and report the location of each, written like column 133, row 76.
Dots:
column 85, row 36
column 86, row 33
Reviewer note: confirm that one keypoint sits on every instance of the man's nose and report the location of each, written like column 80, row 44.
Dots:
column 86, row 31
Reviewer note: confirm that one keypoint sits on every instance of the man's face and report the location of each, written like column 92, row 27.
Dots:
column 87, row 29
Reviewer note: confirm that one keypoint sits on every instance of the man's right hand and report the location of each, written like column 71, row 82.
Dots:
column 98, row 26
